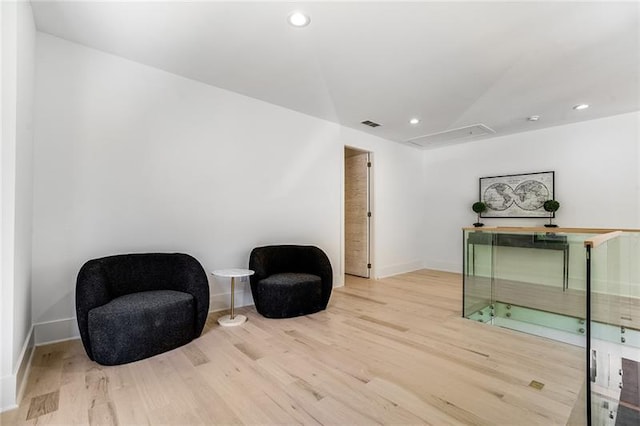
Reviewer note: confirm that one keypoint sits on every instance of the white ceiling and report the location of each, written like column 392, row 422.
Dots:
column 450, row 64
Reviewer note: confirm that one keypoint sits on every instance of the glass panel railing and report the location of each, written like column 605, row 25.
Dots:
column 538, row 287
column 578, row 288
column 528, row 281
column 478, row 275
column 614, row 349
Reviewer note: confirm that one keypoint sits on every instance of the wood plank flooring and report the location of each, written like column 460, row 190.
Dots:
column 388, row 351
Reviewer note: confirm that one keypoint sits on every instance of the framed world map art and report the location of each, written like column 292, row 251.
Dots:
column 517, row 195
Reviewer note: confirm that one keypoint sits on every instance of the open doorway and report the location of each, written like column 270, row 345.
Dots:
column 357, row 212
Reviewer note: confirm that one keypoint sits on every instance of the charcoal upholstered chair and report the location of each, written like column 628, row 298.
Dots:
column 134, row 306
column 289, row 280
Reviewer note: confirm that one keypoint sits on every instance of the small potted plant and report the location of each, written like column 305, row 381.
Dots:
column 551, row 206
column 479, row 207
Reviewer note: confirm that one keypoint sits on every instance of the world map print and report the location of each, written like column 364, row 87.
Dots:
column 529, row 195
column 517, row 195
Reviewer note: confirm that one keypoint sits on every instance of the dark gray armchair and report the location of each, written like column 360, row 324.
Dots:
column 290, row 280
column 134, row 306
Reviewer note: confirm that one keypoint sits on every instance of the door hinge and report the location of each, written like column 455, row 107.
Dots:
column 368, row 214
column 368, row 163
column 368, row 266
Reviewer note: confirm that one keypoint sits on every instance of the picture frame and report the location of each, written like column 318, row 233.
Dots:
column 517, row 196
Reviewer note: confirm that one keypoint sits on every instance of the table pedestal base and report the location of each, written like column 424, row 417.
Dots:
column 226, row 320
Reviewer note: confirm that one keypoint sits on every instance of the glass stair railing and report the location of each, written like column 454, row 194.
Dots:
column 578, row 286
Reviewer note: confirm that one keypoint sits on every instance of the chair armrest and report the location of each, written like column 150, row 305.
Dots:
column 92, row 291
column 191, row 278
column 322, row 267
column 259, row 264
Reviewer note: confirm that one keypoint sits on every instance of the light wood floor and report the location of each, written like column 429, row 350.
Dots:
column 388, row 351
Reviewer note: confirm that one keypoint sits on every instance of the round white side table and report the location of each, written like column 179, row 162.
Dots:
column 233, row 319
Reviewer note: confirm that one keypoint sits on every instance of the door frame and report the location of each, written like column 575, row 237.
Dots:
column 372, row 208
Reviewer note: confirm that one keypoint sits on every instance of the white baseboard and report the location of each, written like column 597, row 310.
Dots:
column 56, row 331
column 442, row 266
column 24, row 365
column 67, row 329
column 8, row 393
column 12, row 386
column 222, row 301
column 388, row 271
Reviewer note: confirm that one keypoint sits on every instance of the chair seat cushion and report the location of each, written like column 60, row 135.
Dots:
column 290, row 294
column 140, row 325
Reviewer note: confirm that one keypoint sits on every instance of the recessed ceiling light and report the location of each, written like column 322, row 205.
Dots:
column 414, row 121
column 581, row 106
column 298, row 19
column 533, row 118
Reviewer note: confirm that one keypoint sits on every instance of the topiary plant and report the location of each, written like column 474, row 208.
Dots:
column 551, row 206
column 479, row 207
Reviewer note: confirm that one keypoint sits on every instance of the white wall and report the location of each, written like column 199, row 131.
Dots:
column 397, row 200
column 18, row 48
column 129, row 158
column 596, row 180
column 24, row 177
column 7, row 173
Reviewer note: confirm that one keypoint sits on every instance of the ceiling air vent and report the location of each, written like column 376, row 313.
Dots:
column 454, row 135
column 370, row 123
